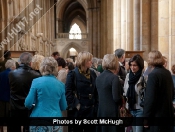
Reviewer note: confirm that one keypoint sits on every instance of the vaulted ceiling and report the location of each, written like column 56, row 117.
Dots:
column 73, row 10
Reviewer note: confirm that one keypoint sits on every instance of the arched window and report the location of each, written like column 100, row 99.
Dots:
column 75, row 32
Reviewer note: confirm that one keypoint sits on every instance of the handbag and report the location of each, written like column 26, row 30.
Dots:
column 125, row 114
column 142, row 91
column 123, row 111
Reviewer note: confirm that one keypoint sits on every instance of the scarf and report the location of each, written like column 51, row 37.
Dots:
column 86, row 74
column 131, row 94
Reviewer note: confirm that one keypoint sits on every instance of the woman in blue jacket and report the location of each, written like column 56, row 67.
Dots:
column 47, row 93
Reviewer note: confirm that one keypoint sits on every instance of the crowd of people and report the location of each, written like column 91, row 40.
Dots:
column 39, row 86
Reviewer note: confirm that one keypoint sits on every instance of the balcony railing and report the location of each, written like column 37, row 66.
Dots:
column 73, row 35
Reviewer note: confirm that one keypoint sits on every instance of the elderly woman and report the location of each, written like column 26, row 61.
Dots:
column 159, row 94
column 47, row 93
column 82, row 80
column 132, row 87
column 5, row 89
column 36, row 62
column 109, row 91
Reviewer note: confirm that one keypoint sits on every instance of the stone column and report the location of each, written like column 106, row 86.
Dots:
column 103, row 25
column 145, row 27
column 94, row 31
column 4, row 22
column 109, row 27
column 99, row 30
column 115, row 24
column 136, row 24
column 163, row 28
column 123, row 24
column 154, row 24
column 172, row 33
column 10, row 17
column 118, row 24
column 129, row 25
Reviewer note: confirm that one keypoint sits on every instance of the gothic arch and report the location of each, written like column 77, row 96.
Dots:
column 61, row 5
column 65, row 50
column 80, row 24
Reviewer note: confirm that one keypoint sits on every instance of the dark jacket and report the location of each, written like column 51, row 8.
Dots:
column 20, row 83
column 4, row 86
column 122, row 74
column 110, row 93
column 85, row 89
column 159, row 96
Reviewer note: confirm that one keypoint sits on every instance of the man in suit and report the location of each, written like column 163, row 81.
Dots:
column 120, row 54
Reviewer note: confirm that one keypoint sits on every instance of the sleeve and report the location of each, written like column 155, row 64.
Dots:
column 150, row 95
column 70, row 87
column 63, row 103
column 62, row 77
column 125, row 88
column 116, row 89
column 31, row 97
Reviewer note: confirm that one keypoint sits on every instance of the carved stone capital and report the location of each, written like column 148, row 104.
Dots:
column 39, row 35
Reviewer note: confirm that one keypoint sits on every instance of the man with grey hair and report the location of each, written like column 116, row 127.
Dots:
column 20, row 82
column 120, row 54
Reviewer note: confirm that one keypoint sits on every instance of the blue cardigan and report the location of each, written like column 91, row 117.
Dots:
column 48, row 95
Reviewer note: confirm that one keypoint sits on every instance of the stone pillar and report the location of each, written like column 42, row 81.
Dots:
column 118, row 24
column 145, row 27
column 103, row 26
column 115, row 24
column 136, row 24
column 99, row 30
column 129, row 25
column 123, row 24
column 163, row 28
column 94, row 32
column 172, row 33
column 109, row 27
column 154, row 24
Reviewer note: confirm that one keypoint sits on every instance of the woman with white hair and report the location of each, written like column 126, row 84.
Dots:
column 5, row 89
column 109, row 91
column 47, row 93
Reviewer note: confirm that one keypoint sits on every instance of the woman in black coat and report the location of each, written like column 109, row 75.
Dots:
column 158, row 96
column 109, row 91
column 81, row 93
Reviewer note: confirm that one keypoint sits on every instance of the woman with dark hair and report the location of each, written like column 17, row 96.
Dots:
column 159, row 94
column 132, row 86
column 62, row 73
column 70, row 66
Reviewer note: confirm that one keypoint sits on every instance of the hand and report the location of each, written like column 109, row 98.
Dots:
column 78, row 106
column 146, row 126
